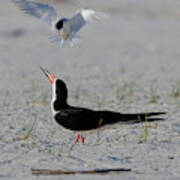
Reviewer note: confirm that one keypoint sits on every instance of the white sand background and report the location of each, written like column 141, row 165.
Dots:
column 121, row 63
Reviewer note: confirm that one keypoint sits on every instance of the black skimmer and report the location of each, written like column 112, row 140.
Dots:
column 83, row 119
column 64, row 29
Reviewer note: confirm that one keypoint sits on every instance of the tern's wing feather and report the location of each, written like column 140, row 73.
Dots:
column 42, row 11
column 77, row 22
column 82, row 17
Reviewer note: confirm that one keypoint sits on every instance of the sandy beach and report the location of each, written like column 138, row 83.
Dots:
column 128, row 62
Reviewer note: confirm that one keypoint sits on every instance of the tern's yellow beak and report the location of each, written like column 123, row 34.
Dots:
column 58, row 34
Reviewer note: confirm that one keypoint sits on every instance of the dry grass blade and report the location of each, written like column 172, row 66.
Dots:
column 143, row 138
column 27, row 135
column 98, row 129
column 61, row 172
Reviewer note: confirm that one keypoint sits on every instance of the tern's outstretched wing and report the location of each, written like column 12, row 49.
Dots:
column 82, row 17
column 38, row 10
